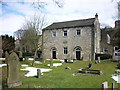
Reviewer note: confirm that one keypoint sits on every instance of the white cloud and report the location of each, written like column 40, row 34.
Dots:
column 79, row 9
column 10, row 23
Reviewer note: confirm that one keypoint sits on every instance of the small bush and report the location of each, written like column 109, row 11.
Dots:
column 28, row 54
column 118, row 65
column 103, row 56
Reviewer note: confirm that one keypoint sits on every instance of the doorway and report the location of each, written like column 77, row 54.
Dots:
column 78, row 53
column 54, row 53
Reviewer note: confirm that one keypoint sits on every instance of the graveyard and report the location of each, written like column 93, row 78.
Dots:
column 62, row 77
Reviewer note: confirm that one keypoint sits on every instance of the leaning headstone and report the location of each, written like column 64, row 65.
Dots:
column 13, row 78
column 68, row 68
column 51, row 63
column 6, row 56
column 98, row 59
column 104, row 85
column 96, row 62
column 38, row 73
column 89, row 66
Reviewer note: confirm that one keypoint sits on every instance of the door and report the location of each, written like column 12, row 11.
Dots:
column 78, row 54
column 54, row 54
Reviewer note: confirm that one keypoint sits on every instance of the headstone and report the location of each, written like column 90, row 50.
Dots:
column 65, row 60
column 38, row 73
column 89, row 66
column 6, row 56
column 20, row 56
column 74, row 60
column 68, row 68
column 68, row 57
column 104, row 85
column 113, row 85
column 98, row 59
column 26, row 58
column 96, row 62
column 13, row 78
column 51, row 63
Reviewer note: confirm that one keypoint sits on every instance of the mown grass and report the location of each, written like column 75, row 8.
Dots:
column 62, row 78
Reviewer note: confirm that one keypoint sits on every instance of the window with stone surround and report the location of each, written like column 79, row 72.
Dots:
column 65, row 50
column 65, row 33
column 78, row 32
column 53, row 33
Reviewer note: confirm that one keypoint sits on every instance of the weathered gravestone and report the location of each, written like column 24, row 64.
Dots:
column 38, row 73
column 20, row 56
column 98, row 59
column 13, row 78
column 51, row 63
column 6, row 56
column 104, row 85
column 113, row 85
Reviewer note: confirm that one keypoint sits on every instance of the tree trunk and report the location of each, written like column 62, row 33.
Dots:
column 34, row 57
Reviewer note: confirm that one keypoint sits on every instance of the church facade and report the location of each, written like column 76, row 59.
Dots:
column 77, row 39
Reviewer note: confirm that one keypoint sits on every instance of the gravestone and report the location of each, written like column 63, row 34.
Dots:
column 13, row 78
column 98, row 59
column 38, row 73
column 20, row 56
column 113, row 85
column 68, row 68
column 104, row 85
column 51, row 62
column 6, row 56
column 65, row 60
column 68, row 57
column 89, row 66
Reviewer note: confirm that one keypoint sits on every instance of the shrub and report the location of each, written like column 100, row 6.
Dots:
column 118, row 65
column 103, row 56
column 28, row 54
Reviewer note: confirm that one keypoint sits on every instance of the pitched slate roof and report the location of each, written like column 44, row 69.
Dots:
column 71, row 24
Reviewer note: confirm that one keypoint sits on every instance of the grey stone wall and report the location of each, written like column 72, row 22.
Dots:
column 71, row 41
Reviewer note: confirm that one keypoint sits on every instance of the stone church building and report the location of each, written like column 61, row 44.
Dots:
column 75, row 39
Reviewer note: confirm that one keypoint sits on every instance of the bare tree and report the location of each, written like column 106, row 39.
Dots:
column 118, row 3
column 19, row 33
column 33, row 30
column 118, row 9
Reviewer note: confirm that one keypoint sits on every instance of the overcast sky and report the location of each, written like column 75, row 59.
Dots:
column 13, row 15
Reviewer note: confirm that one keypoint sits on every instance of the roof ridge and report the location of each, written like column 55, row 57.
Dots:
column 73, row 20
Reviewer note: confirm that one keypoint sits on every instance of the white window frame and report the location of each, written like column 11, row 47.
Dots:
column 77, row 32
column 53, row 34
column 64, row 33
column 65, row 50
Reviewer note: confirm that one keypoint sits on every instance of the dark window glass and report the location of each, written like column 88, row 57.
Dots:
column 65, row 33
column 65, row 50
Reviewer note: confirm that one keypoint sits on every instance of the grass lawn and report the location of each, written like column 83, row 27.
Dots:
column 62, row 78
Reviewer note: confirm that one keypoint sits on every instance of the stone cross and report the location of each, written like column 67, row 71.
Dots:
column 104, row 85
column 13, row 78
column 38, row 73
column 51, row 62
